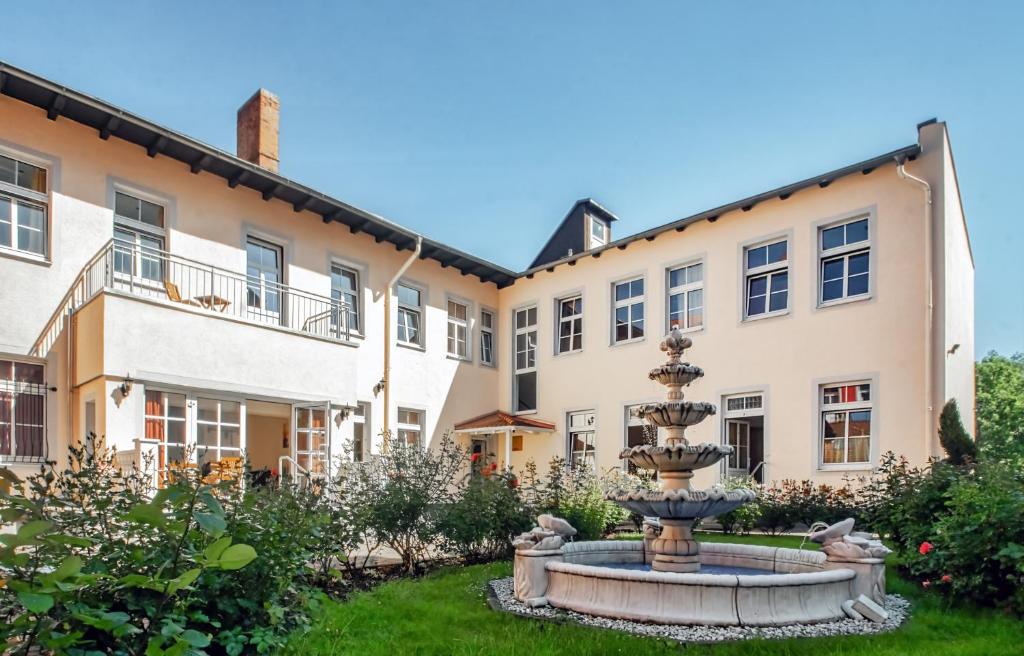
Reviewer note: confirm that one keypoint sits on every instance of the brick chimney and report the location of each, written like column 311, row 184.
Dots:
column 258, row 126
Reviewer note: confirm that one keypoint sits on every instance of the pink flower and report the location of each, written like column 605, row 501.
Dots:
column 946, row 578
column 474, row 457
column 925, row 548
column 926, row 584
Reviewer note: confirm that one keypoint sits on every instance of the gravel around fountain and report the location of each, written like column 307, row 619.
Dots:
column 502, row 598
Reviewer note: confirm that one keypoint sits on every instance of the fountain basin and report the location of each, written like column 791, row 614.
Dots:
column 675, row 413
column 676, row 373
column 676, row 457
column 682, row 503
column 602, row 578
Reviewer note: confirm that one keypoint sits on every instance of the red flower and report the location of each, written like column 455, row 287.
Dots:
column 494, row 466
column 273, row 472
column 926, row 584
column 946, row 578
column 514, row 483
column 474, row 457
column 924, row 548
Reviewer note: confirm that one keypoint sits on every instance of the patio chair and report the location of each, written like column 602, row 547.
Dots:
column 174, row 295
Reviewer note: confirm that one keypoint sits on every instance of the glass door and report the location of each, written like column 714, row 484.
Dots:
column 311, row 446
column 738, row 437
column 263, row 281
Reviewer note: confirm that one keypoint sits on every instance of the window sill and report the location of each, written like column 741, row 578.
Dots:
column 695, row 329
column 844, row 301
column 767, row 315
column 459, row 358
column 627, row 342
column 30, row 258
column 412, row 347
column 521, row 413
column 860, row 467
column 488, row 365
column 578, row 351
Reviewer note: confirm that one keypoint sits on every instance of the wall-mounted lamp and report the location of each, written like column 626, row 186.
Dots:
column 126, row 385
column 379, row 387
column 953, row 349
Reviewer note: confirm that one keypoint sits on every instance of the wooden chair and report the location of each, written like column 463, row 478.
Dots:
column 174, row 295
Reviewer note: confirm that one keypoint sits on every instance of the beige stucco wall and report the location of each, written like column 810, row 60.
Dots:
column 786, row 357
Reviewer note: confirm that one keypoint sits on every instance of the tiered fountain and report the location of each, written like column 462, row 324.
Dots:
column 668, row 577
column 675, row 504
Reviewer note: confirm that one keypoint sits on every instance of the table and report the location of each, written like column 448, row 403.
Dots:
column 213, row 302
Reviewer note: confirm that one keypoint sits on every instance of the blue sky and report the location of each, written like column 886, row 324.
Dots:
column 480, row 123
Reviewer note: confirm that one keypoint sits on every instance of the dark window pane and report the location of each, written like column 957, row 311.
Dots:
column 831, row 290
column 637, row 311
column 755, row 305
column 636, row 288
column 526, row 391
column 758, row 286
column 152, row 214
column 857, row 285
column 780, row 282
column 777, row 252
column 858, row 263
column 126, row 206
column 778, row 301
column 7, row 169
column 857, row 231
column 757, row 257
column 833, row 269
column 832, row 237
column 31, row 177
column 622, row 291
column 621, row 331
column 676, row 277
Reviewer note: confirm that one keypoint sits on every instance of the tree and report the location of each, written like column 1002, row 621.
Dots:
column 955, row 439
column 999, row 384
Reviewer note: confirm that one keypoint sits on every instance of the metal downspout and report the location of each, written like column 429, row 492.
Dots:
column 386, row 380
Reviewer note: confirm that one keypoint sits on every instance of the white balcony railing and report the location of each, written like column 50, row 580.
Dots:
column 154, row 274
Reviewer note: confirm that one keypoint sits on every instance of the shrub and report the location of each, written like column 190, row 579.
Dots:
column 98, row 566
column 745, row 518
column 789, row 503
column 1000, row 407
column 954, row 437
column 488, row 513
column 576, row 494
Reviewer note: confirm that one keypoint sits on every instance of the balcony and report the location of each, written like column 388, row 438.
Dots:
column 158, row 276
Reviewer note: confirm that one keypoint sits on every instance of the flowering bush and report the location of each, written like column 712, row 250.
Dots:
column 575, row 494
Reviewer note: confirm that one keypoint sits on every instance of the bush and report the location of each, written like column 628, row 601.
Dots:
column 954, row 437
column 1000, row 407
column 488, row 513
column 745, row 518
column 785, row 505
column 575, row 494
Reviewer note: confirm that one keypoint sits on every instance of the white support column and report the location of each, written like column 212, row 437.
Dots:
column 508, row 448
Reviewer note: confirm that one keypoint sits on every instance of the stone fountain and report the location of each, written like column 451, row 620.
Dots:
column 669, row 577
column 676, row 505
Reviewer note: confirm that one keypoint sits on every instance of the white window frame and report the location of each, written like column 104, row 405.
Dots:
column 403, row 428
column 13, row 389
column 187, row 434
column 571, row 432
column 685, row 290
column 492, row 332
column 354, row 312
column 418, row 310
column 454, row 323
column 362, row 421
column 593, row 241
column 219, row 449
column 629, row 303
column 844, row 252
column 525, row 331
column 826, row 407
column 260, row 312
column 12, row 195
column 768, row 271
column 572, row 320
column 139, row 230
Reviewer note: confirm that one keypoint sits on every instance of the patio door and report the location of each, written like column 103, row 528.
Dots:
column 312, row 444
column 263, row 289
column 738, row 437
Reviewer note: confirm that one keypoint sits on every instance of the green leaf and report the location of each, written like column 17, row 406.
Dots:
column 210, row 523
column 7, row 475
column 147, row 513
column 195, row 638
column 70, row 540
column 183, row 580
column 215, row 549
column 236, row 556
column 69, row 567
column 35, row 602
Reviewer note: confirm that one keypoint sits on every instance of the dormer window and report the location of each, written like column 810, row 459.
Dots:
column 598, row 233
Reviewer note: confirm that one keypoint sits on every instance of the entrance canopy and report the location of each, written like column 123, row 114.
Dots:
column 503, row 422
column 498, row 421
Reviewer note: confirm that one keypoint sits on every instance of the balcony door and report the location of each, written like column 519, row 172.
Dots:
column 263, row 296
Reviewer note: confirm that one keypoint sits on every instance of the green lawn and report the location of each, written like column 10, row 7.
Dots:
column 447, row 613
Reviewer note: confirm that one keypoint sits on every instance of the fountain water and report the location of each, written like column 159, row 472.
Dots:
column 671, row 578
column 676, row 505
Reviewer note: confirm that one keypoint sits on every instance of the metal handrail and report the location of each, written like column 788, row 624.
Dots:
column 145, row 272
column 753, row 471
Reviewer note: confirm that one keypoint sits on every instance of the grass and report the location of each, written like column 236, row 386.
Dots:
column 446, row 613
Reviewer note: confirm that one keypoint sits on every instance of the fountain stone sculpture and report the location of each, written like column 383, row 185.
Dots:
column 676, row 505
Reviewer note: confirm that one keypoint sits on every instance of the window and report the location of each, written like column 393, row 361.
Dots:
column 740, row 403
column 263, row 280
column 410, row 427
column 686, row 297
column 525, row 383
column 218, row 430
column 311, row 439
column 581, row 439
column 360, row 432
column 165, row 423
column 767, row 279
column 487, row 325
column 637, row 433
column 22, row 411
column 845, row 423
column 844, row 252
column 345, row 295
column 629, row 310
column 458, row 330
column 23, row 206
column 138, row 238
column 598, row 232
column 410, row 312
column 570, row 325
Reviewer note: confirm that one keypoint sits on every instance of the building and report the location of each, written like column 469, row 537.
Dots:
column 166, row 295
